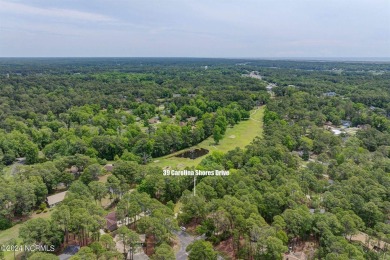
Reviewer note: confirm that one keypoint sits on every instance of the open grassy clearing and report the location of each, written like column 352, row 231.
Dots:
column 238, row 136
column 13, row 232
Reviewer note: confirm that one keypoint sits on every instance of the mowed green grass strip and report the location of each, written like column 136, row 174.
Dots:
column 240, row 135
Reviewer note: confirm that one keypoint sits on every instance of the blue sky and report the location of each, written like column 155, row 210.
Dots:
column 195, row 28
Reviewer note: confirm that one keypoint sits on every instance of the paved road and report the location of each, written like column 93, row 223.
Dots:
column 185, row 239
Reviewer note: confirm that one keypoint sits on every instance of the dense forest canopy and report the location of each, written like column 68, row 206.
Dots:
column 92, row 109
column 317, row 178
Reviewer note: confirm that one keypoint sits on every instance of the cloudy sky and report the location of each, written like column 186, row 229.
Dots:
column 195, row 28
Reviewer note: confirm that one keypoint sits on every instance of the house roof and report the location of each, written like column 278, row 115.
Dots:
column 109, row 167
column 111, row 223
column 153, row 121
column 74, row 169
column 322, row 211
column 21, row 159
column 53, row 199
column 111, row 216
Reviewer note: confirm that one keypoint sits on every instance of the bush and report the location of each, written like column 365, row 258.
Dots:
column 214, row 240
column 201, row 229
column 5, row 223
column 42, row 206
column 225, row 235
column 38, row 211
column 171, row 205
column 8, row 158
column 183, row 218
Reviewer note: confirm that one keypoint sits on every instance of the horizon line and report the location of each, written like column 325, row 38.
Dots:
column 307, row 59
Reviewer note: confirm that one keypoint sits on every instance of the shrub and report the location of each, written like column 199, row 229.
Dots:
column 42, row 206
column 5, row 223
column 214, row 240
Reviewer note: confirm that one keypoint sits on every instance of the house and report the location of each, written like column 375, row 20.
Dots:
column 55, row 199
column 111, row 222
column 109, row 167
column 321, row 211
column 21, row 160
column 363, row 127
column 192, row 119
column 336, row 131
column 153, row 121
column 269, row 87
column 176, row 95
column 330, row 94
column 192, row 95
column 346, row 123
column 74, row 170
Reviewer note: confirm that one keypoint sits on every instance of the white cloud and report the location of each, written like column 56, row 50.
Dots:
column 17, row 8
column 219, row 28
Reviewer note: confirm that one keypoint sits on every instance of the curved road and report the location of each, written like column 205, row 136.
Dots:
column 185, row 239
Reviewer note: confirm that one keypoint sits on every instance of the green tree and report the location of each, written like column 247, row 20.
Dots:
column 350, row 222
column 113, row 185
column 98, row 190
column 85, row 253
column 201, row 249
column 217, row 134
column 40, row 231
column 129, row 170
column 91, row 173
column 7, row 205
column 42, row 256
column 97, row 249
column 164, row 252
column 80, row 189
column 298, row 222
column 275, row 248
column 371, row 214
column 107, row 242
column 61, row 216
column 144, row 148
column 129, row 239
column 25, row 198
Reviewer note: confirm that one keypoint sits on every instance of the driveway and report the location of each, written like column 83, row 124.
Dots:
column 185, row 239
